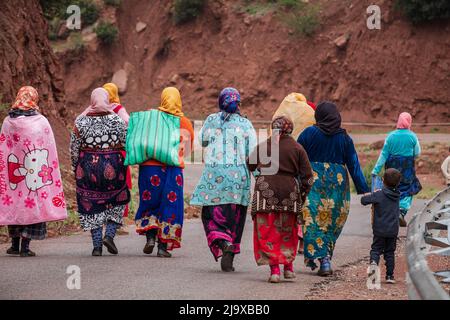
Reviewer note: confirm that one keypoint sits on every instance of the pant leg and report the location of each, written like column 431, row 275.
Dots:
column 151, row 234
column 111, row 229
column 389, row 255
column 377, row 249
column 405, row 204
column 97, row 235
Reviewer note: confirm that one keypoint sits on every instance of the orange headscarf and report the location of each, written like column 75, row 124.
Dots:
column 27, row 99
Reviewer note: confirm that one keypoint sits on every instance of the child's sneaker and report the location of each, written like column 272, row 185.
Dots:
column 390, row 279
column 372, row 269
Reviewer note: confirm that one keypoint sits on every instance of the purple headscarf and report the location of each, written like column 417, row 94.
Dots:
column 229, row 102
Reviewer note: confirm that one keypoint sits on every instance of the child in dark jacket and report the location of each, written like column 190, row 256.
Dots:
column 385, row 221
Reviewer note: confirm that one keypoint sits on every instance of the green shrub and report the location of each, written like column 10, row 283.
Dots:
column 57, row 9
column 425, row 10
column 187, row 10
column 304, row 21
column 106, row 32
column 53, row 28
column 113, row 3
column 77, row 43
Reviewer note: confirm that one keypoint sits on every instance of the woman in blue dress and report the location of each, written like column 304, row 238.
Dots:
column 400, row 150
column 224, row 188
column 332, row 155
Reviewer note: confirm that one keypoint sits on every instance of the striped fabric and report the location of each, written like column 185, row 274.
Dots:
column 153, row 135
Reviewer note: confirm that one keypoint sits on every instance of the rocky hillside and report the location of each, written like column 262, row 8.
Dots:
column 372, row 74
column 27, row 58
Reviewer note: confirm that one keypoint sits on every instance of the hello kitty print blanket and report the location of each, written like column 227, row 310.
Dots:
column 30, row 180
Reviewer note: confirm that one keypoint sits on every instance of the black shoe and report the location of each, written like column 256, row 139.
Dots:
column 108, row 242
column 27, row 253
column 97, row 252
column 13, row 251
column 227, row 259
column 149, row 246
column 162, row 253
column 390, row 279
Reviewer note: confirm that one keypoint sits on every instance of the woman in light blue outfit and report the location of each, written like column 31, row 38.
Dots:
column 225, row 186
column 400, row 150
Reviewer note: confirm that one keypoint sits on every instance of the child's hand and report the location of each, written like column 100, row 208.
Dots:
column 367, row 194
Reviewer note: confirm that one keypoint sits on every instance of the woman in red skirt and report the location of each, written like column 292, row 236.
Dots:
column 280, row 190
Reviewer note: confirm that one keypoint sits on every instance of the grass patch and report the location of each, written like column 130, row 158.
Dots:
column 427, row 193
column 303, row 18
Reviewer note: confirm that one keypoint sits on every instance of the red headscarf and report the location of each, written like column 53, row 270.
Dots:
column 312, row 105
column 27, row 99
column 404, row 121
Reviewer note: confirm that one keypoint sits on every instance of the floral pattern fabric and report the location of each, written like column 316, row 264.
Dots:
column 161, row 203
column 275, row 238
column 226, row 178
column 326, row 210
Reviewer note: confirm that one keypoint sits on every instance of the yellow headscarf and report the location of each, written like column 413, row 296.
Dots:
column 295, row 108
column 113, row 92
column 171, row 102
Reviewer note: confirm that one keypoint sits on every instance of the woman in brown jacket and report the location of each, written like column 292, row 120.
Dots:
column 280, row 191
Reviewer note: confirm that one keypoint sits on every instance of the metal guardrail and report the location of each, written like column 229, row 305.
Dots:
column 423, row 233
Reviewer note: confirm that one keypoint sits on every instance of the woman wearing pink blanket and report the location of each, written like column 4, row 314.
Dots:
column 31, row 191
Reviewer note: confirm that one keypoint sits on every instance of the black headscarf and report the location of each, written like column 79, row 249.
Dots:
column 328, row 118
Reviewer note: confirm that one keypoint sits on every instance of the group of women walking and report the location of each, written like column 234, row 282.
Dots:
column 306, row 197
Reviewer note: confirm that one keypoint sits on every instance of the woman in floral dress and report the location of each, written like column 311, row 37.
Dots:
column 332, row 154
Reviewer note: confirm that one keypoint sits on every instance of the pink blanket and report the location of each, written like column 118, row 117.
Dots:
column 30, row 181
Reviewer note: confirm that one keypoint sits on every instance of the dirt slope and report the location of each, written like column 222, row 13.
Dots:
column 400, row 67
column 27, row 59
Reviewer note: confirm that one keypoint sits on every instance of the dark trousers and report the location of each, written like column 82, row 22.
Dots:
column 386, row 247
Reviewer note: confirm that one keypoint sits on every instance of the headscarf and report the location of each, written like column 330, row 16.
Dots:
column 171, row 102
column 113, row 92
column 27, row 99
column 312, row 105
column 328, row 118
column 229, row 102
column 295, row 108
column 404, row 121
column 283, row 125
column 99, row 102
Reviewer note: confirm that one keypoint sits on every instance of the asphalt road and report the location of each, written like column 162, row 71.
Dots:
column 191, row 274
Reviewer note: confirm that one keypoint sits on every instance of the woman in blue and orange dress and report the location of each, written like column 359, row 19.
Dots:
column 161, row 210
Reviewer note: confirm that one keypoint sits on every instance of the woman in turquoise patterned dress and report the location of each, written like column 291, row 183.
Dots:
column 400, row 152
column 224, row 188
column 332, row 155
